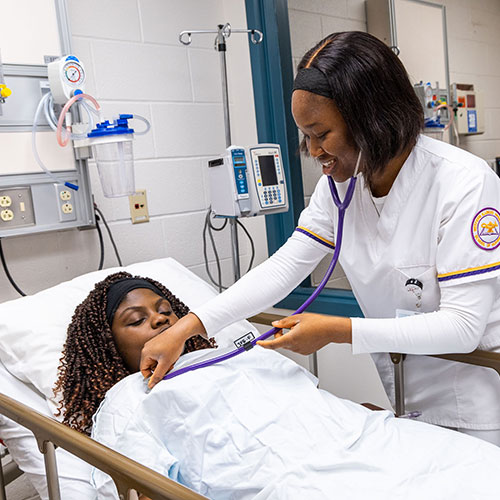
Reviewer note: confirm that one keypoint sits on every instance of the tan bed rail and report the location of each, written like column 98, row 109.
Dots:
column 126, row 473
column 477, row 357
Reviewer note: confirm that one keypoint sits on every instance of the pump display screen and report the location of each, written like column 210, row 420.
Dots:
column 268, row 170
column 239, row 159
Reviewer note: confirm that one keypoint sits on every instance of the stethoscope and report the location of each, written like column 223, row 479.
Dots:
column 341, row 207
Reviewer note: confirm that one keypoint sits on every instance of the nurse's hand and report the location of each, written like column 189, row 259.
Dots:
column 309, row 332
column 161, row 352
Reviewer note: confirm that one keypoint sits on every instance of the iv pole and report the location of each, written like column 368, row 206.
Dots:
column 224, row 31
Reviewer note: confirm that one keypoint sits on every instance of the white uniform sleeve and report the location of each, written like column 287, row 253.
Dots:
column 264, row 286
column 457, row 327
column 275, row 278
column 317, row 220
column 469, row 232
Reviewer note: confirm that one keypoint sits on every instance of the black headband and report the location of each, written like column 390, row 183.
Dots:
column 313, row 80
column 120, row 288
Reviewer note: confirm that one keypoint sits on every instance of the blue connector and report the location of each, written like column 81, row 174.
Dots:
column 71, row 186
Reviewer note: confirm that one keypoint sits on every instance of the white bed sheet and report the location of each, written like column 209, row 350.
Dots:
column 74, row 474
column 257, row 427
column 28, row 375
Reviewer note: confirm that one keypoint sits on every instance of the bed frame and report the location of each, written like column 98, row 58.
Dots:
column 129, row 475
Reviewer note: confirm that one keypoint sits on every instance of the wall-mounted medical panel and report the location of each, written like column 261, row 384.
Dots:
column 470, row 109
column 36, row 203
column 28, row 84
column 40, row 201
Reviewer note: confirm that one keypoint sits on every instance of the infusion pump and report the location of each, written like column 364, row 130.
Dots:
column 248, row 181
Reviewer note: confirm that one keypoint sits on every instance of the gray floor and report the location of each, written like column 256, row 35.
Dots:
column 21, row 489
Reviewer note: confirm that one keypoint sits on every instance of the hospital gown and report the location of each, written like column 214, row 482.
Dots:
column 256, row 426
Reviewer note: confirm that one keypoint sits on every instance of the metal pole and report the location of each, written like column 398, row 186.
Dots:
column 313, row 363
column 220, row 42
column 49, row 458
column 399, row 382
column 221, row 48
column 223, row 32
column 235, row 249
column 3, row 495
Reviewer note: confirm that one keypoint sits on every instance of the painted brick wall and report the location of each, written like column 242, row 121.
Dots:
column 474, row 57
column 135, row 64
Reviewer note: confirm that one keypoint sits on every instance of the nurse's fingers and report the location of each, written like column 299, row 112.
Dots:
column 288, row 322
column 281, row 341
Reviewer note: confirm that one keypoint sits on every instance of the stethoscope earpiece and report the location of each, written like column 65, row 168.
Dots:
column 356, row 168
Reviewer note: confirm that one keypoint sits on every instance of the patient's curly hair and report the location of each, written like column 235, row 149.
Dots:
column 91, row 364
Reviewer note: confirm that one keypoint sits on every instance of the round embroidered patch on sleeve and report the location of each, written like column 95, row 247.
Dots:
column 485, row 229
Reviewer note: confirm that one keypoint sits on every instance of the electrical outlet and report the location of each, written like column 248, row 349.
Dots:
column 7, row 215
column 16, row 207
column 65, row 195
column 5, row 201
column 66, row 210
column 139, row 207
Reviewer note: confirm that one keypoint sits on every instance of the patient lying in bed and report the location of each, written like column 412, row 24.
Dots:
column 256, row 426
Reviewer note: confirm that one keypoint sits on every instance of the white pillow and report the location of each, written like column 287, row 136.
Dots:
column 33, row 328
column 74, row 474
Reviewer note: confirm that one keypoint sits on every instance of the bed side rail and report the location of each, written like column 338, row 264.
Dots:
column 477, row 357
column 487, row 359
column 126, row 473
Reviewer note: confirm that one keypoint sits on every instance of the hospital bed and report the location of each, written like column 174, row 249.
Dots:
column 53, row 309
column 32, row 334
column 127, row 474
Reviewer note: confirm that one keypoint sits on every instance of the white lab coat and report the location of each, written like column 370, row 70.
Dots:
column 425, row 231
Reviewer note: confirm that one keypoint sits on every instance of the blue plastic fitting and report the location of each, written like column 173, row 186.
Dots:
column 71, row 186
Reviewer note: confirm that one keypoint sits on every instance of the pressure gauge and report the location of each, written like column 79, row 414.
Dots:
column 74, row 73
column 66, row 75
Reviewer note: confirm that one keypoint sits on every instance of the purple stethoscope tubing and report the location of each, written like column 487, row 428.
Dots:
column 342, row 207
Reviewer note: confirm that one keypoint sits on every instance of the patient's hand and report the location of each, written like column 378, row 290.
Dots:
column 309, row 332
column 161, row 352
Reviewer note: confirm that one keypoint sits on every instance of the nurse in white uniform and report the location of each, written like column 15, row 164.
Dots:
column 421, row 244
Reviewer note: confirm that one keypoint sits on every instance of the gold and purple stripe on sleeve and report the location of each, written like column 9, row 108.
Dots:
column 472, row 271
column 315, row 237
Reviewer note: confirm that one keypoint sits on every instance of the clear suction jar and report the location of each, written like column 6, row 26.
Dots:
column 112, row 147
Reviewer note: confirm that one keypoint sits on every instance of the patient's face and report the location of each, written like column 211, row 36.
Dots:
column 141, row 315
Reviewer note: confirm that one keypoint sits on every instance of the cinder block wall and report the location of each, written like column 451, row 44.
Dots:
column 474, row 57
column 135, row 64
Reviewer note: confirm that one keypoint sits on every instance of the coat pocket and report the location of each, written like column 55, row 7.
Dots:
column 416, row 288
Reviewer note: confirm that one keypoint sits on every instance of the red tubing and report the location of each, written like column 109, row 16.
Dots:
column 63, row 142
